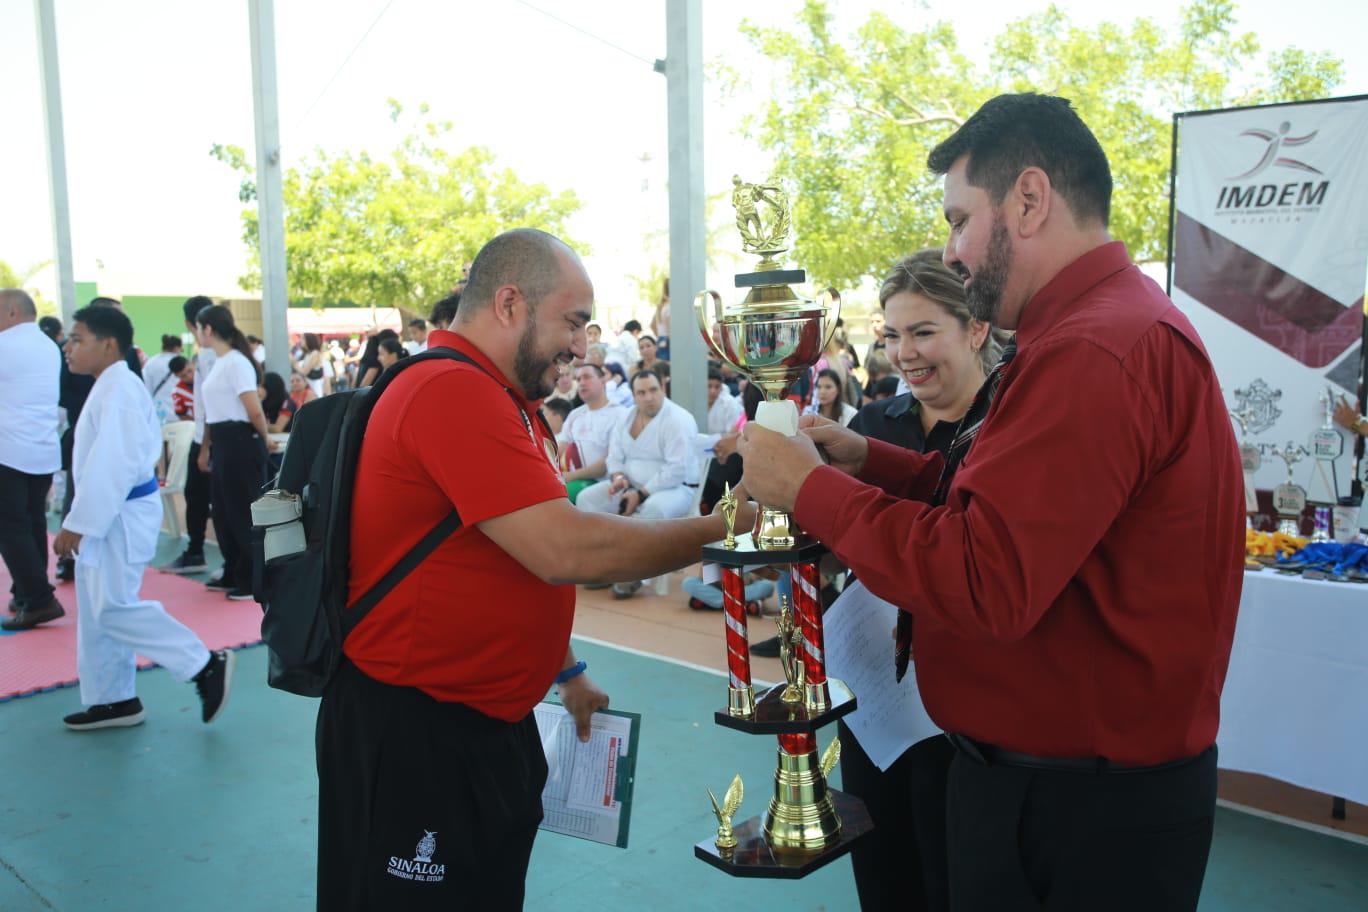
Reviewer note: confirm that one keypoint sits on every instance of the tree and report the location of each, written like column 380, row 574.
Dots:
column 852, row 122
column 9, row 278
column 395, row 231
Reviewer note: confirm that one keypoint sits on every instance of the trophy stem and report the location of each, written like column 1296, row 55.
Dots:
column 740, row 693
column 800, row 816
column 808, row 608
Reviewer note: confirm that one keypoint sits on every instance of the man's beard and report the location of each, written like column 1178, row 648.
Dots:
column 984, row 295
column 530, row 367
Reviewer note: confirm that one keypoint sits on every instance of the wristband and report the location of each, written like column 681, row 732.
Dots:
column 574, row 671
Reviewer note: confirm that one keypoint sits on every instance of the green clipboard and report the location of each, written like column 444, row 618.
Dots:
column 559, row 816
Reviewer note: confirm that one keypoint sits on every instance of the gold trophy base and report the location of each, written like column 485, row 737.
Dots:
column 741, row 702
column 800, row 816
column 753, row 855
column 777, row 531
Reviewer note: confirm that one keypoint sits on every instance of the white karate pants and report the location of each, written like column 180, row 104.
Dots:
column 114, row 624
column 670, row 503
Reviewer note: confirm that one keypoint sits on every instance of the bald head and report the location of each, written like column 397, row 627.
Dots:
column 16, row 307
column 532, row 260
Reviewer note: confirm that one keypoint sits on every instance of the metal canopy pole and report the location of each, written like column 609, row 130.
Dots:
column 56, row 156
column 270, row 200
column 684, row 93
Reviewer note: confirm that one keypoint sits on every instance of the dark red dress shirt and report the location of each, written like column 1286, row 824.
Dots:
column 1076, row 595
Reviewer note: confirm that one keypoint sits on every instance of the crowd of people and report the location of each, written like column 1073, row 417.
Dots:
column 984, row 468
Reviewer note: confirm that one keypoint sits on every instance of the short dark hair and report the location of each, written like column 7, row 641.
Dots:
column 51, row 326
column 106, row 322
column 647, row 337
column 632, row 326
column 103, row 301
column 597, row 369
column 418, row 323
column 444, row 311
column 715, row 373
column 525, row 257
column 559, row 406
column 646, row 372
column 177, row 364
column 1011, row 133
column 171, row 342
column 194, row 305
column 886, row 386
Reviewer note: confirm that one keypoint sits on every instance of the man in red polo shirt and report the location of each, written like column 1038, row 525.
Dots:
column 1074, row 598
column 430, row 767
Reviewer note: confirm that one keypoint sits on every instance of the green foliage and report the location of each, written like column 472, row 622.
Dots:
column 394, row 231
column 853, row 119
column 10, row 278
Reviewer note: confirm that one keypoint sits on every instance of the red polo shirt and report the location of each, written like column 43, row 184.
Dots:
column 1076, row 595
column 470, row 625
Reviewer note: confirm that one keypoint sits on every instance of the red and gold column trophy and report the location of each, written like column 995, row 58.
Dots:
column 774, row 337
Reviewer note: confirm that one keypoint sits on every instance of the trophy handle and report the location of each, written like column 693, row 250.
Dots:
column 700, row 312
column 833, row 306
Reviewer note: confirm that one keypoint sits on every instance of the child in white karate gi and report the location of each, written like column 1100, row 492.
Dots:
column 112, row 532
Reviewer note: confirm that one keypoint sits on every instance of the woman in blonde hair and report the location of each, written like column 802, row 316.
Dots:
column 944, row 355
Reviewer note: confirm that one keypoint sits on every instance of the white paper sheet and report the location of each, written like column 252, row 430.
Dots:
column 858, row 633
column 580, row 798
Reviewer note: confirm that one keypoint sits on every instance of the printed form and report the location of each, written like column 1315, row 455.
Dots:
column 588, row 785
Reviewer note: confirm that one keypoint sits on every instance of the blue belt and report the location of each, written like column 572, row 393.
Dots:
column 147, row 487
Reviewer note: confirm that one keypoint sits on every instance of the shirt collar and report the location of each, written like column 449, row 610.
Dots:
column 901, row 405
column 445, row 338
column 1060, row 295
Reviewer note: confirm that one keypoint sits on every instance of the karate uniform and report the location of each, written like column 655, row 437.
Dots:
column 118, row 439
column 658, row 460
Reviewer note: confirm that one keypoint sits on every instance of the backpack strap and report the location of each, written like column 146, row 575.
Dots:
column 439, row 533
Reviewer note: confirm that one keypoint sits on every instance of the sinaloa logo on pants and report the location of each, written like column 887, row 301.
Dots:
column 421, row 868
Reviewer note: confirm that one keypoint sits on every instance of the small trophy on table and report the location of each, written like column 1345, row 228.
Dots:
column 774, row 337
column 1250, row 460
column 1289, row 498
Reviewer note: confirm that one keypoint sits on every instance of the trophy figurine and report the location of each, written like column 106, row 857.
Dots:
column 774, row 337
column 1289, row 498
column 1250, row 460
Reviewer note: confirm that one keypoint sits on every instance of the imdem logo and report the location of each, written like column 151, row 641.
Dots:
column 1288, row 199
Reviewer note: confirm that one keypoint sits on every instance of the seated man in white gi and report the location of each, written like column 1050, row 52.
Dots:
column 649, row 453
column 588, row 428
column 112, row 533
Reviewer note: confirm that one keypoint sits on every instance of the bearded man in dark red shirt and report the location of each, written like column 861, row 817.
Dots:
column 1074, row 597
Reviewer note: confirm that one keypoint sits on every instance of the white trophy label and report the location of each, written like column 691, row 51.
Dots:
column 1326, row 443
column 1289, row 499
column 1250, row 460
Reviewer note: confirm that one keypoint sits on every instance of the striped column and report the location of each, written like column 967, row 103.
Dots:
column 740, row 695
column 808, row 609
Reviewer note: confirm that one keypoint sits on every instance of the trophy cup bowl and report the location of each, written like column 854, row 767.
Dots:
column 772, row 338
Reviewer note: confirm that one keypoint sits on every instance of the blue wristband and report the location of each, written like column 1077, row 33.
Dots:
column 574, row 671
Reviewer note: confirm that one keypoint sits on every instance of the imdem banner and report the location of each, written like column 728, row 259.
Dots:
column 1269, row 259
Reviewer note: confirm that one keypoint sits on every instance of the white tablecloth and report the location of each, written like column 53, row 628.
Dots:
column 1295, row 705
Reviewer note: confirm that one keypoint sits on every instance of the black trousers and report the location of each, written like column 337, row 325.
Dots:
column 237, row 472
column 197, row 502
column 1025, row 839
column 422, row 805
column 901, row 864
column 721, row 474
column 23, row 532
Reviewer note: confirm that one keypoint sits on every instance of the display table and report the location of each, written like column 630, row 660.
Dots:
column 1295, row 704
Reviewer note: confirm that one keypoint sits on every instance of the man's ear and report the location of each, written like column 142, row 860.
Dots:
column 1031, row 198
column 505, row 306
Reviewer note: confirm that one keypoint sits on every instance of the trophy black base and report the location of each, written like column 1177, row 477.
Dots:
column 754, row 857
column 775, row 717
column 770, row 277
column 746, row 554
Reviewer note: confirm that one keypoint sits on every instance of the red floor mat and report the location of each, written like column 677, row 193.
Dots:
column 45, row 657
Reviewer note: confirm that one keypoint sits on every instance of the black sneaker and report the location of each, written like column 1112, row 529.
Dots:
column 626, row 590
column 766, row 649
column 107, row 715
column 220, row 583
column 189, row 562
column 29, row 616
column 66, row 571
column 239, row 594
column 213, row 682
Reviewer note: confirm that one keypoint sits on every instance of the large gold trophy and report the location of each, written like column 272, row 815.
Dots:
column 773, row 337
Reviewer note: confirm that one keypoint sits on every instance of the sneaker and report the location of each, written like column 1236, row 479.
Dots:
column 30, row 616
column 66, row 571
column 220, row 583
column 189, row 562
column 213, row 683
column 107, row 715
column 766, row 649
column 626, row 590
column 15, row 605
column 598, row 585
column 238, row 594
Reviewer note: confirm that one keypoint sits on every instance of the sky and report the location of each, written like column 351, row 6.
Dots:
column 562, row 92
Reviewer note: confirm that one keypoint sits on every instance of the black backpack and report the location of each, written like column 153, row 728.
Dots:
column 304, row 592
